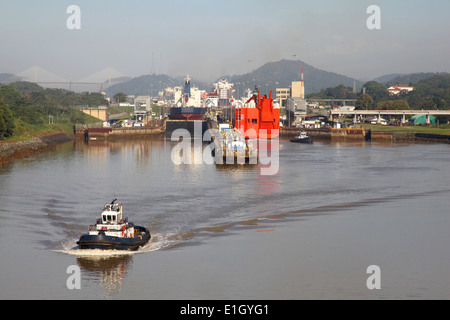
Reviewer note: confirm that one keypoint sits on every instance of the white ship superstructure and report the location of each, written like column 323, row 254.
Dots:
column 193, row 94
column 224, row 91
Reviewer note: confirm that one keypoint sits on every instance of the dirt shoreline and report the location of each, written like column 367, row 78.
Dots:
column 22, row 149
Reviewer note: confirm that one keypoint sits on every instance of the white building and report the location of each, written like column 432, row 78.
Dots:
column 397, row 88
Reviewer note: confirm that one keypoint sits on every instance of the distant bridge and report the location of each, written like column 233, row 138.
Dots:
column 334, row 101
column 378, row 113
column 41, row 76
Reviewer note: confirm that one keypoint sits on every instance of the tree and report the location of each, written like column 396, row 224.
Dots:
column 376, row 90
column 364, row 102
column 120, row 97
column 6, row 122
column 393, row 105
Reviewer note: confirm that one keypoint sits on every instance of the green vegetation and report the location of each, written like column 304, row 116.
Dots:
column 364, row 102
column 27, row 109
column 7, row 125
column 120, row 97
column 429, row 94
column 339, row 92
column 434, row 129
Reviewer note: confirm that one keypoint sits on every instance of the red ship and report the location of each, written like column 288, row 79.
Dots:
column 262, row 121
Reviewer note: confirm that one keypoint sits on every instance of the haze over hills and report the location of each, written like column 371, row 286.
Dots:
column 266, row 78
column 280, row 74
column 411, row 78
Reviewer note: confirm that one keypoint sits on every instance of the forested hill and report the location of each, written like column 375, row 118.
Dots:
column 27, row 108
column 267, row 78
column 280, row 74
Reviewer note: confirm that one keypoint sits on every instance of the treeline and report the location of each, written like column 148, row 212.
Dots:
column 431, row 94
column 32, row 104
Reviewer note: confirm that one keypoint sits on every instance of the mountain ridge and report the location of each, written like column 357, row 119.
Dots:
column 266, row 78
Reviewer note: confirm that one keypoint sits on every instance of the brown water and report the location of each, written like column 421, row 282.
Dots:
column 228, row 232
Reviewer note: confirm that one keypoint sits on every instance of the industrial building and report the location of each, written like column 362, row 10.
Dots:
column 295, row 100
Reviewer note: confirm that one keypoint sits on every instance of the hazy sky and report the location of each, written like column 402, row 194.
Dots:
column 207, row 39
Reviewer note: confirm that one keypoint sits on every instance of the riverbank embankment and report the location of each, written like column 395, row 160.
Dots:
column 21, row 149
column 368, row 135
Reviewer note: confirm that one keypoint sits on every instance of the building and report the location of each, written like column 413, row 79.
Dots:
column 298, row 89
column 295, row 100
column 397, row 88
column 143, row 102
column 282, row 94
column 296, row 105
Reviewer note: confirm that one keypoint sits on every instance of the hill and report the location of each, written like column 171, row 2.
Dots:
column 280, row 74
column 431, row 93
column 409, row 79
column 268, row 77
column 150, row 85
column 6, row 78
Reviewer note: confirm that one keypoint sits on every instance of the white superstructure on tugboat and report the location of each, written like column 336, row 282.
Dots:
column 112, row 231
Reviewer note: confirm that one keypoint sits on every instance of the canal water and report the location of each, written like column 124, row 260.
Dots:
column 310, row 231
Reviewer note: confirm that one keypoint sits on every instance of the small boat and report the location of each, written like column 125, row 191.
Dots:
column 302, row 137
column 111, row 231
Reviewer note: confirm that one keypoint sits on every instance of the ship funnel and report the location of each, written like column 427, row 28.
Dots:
column 187, row 87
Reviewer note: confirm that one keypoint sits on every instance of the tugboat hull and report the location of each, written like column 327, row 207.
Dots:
column 104, row 242
column 302, row 140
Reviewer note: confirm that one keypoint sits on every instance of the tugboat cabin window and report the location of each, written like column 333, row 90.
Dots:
column 110, row 218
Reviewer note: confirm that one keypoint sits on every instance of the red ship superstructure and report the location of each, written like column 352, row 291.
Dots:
column 262, row 120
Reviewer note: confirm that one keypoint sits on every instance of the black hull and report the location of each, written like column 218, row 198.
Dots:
column 187, row 113
column 302, row 140
column 115, row 243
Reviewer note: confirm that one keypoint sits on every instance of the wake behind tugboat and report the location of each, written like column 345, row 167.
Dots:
column 113, row 232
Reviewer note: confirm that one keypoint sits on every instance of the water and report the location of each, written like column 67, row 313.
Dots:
column 228, row 232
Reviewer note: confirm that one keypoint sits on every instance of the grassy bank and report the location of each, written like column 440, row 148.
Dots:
column 24, row 131
column 434, row 129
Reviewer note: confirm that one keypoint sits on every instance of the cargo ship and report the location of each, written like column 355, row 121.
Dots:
column 259, row 117
column 187, row 106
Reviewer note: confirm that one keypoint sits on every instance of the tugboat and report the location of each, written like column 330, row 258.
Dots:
column 302, row 137
column 111, row 231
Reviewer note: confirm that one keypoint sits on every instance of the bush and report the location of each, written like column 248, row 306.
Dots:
column 6, row 122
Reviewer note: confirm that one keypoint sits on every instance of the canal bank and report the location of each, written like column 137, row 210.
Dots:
column 122, row 133
column 22, row 149
column 360, row 134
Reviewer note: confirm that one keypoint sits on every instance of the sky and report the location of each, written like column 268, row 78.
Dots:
column 210, row 39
